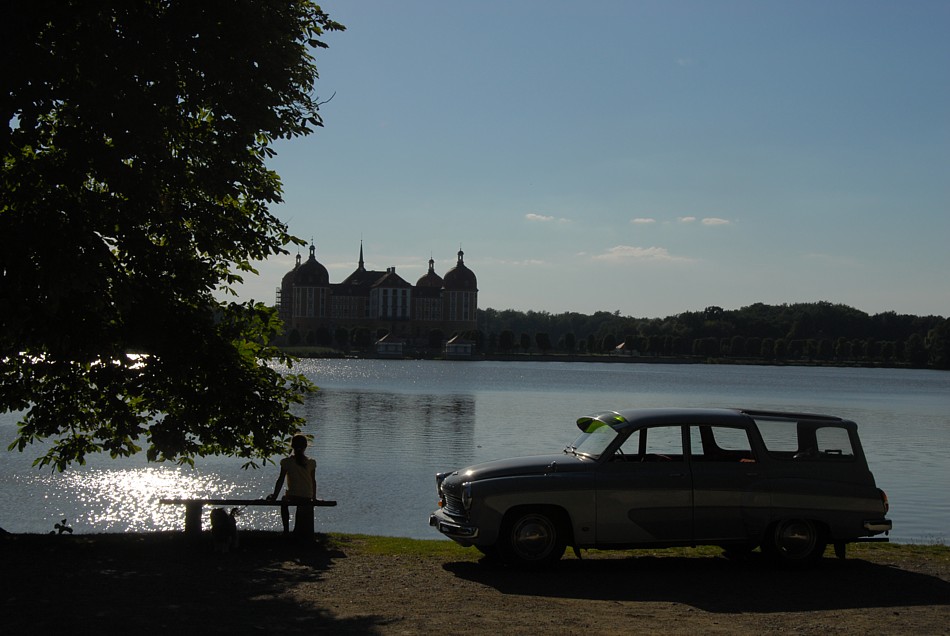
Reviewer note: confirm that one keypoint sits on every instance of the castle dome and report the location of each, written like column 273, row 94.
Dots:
column 460, row 277
column 288, row 279
column 311, row 273
column 430, row 278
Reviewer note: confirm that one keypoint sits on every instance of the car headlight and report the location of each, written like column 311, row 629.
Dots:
column 439, row 478
column 467, row 495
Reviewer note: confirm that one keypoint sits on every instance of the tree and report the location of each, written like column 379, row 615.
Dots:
column 322, row 336
column 915, row 351
column 570, row 342
column 938, row 345
column 506, row 341
column 435, row 339
column 361, row 338
column 543, row 340
column 134, row 187
column 342, row 338
column 525, row 340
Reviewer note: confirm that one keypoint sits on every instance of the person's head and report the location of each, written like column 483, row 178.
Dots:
column 299, row 444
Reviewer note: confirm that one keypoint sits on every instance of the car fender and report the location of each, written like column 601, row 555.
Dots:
column 571, row 493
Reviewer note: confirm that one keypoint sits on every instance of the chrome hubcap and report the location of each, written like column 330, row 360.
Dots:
column 533, row 537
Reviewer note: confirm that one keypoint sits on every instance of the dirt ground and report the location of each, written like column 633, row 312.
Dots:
column 159, row 584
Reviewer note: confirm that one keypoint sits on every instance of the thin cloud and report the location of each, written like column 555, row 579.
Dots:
column 529, row 262
column 642, row 221
column 543, row 218
column 708, row 221
column 630, row 253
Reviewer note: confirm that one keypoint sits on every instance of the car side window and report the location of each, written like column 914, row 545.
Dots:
column 720, row 444
column 656, row 443
column 833, row 441
column 663, row 443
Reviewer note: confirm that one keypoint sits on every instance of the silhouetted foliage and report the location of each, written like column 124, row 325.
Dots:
column 134, row 186
column 342, row 338
column 821, row 332
column 436, row 338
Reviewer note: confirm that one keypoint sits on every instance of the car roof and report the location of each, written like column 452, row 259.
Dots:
column 638, row 417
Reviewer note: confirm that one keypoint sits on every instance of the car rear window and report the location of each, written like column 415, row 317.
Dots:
column 833, row 440
column 787, row 439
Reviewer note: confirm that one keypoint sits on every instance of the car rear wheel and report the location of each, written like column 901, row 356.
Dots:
column 532, row 538
column 795, row 541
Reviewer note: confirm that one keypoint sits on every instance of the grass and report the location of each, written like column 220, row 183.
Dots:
column 438, row 548
column 398, row 546
column 441, row 549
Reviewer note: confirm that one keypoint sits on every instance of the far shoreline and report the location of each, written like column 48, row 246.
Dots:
column 304, row 352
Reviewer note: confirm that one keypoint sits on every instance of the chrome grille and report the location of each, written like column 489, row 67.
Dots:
column 453, row 505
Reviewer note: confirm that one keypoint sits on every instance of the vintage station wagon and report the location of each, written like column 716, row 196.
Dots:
column 789, row 483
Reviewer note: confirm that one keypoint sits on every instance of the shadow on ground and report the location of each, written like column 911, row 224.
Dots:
column 718, row 585
column 159, row 583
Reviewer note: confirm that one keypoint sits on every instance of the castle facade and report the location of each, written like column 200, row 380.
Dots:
column 314, row 309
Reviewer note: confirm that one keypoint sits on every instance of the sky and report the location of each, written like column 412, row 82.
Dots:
column 647, row 157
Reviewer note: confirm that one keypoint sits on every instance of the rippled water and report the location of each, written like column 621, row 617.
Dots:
column 384, row 428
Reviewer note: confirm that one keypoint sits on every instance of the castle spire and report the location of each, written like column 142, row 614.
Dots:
column 361, row 267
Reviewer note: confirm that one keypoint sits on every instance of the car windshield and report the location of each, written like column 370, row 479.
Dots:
column 595, row 437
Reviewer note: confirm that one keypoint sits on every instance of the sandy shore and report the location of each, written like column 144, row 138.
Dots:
column 160, row 584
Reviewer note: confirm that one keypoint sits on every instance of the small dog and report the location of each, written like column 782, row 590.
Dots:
column 224, row 529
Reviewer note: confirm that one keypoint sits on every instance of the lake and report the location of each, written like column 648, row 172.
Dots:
column 382, row 429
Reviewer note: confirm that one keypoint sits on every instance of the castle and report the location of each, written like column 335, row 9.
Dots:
column 314, row 310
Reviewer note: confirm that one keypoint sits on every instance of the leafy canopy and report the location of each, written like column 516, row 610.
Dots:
column 133, row 187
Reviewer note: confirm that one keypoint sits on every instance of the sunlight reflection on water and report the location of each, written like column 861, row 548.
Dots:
column 128, row 499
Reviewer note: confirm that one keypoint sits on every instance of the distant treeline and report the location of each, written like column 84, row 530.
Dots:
column 821, row 332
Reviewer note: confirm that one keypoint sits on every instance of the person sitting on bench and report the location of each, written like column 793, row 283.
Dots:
column 300, row 472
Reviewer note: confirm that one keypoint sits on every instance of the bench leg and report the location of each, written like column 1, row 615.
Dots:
column 193, row 519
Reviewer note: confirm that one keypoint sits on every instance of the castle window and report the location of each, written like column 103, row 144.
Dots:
column 304, row 302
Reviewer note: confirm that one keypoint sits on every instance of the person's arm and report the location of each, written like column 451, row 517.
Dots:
column 280, row 482
column 313, row 479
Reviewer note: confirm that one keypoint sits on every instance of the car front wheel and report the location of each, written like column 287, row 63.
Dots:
column 532, row 538
column 795, row 541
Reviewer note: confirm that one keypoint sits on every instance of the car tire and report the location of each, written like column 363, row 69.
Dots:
column 532, row 538
column 794, row 542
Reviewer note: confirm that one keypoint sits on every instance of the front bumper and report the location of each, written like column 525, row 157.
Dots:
column 459, row 532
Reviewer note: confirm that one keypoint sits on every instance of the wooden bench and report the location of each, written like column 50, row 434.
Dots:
column 303, row 523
